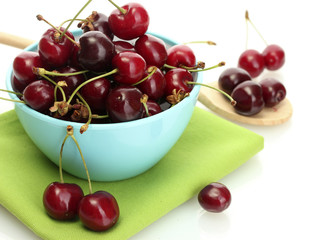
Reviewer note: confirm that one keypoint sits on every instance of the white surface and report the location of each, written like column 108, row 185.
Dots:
column 279, row 193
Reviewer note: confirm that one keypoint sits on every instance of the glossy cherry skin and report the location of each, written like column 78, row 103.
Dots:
column 72, row 81
column 122, row 46
column 215, row 197
column 231, row 77
column 252, row 61
column 23, row 66
column 53, row 50
column 99, row 22
column 274, row 57
column 95, row 94
column 181, row 55
column 273, row 91
column 61, row 200
column 154, row 86
column 131, row 67
column 99, row 211
column 152, row 49
column 39, row 95
column 177, row 78
column 248, row 97
column 123, row 104
column 17, row 85
column 133, row 24
column 96, row 51
column 153, row 108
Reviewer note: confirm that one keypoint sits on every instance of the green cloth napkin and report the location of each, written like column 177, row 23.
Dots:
column 209, row 149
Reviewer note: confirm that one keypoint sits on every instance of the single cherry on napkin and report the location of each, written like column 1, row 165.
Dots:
column 215, row 197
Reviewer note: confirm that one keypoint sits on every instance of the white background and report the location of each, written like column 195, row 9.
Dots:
column 279, row 193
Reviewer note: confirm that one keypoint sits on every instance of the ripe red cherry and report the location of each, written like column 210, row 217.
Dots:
column 98, row 211
column 72, row 81
column 122, row 46
column 231, row 77
column 177, row 78
column 61, row 200
column 23, row 66
column 53, row 50
column 181, row 55
column 152, row 49
column 154, row 86
column 131, row 24
column 17, row 85
column 274, row 57
column 131, row 67
column 96, row 51
column 252, row 61
column 153, row 108
column 215, row 197
column 273, row 91
column 98, row 22
column 95, row 94
column 124, row 104
column 248, row 97
column 39, row 95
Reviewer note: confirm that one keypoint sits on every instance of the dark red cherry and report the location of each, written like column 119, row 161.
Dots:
column 248, row 97
column 95, row 94
column 39, row 95
column 17, row 85
column 96, row 51
column 124, row 104
column 274, row 57
column 99, row 211
column 152, row 49
column 215, row 197
column 177, row 78
column 73, row 60
column 153, row 108
column 61, row 200
column 23, row 67
column 53, row 50
column 154, row 86
column 98, row 22
column 131, row 67
column 273, row 91
column 72, row 81
column 181, row 55
column 252, row 61
column 131, row 24
column 231, row 77
column 122, row 46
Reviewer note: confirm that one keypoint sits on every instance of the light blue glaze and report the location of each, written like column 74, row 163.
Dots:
column 114, row 151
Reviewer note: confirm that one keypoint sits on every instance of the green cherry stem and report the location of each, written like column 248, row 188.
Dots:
column 86, row 125
column 12, row 100
column 247, row 19
column 78, row 13
column 198, row 70
column 42, row 71
column 151, row 71
column 90, row 80
column 205, row 42
column 69, row 20
column 56, row 86
column 122, row 10
column 60, row 158
column 144, row 100
column 232, row 101
column 70, row 131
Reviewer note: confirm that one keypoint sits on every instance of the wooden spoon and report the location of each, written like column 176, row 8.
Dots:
column 14, row 41
column 220, row 105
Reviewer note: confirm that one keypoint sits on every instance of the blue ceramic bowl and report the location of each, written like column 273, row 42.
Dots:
column 114, row 151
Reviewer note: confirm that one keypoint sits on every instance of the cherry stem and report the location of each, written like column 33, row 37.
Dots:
column 42, row 71
column 209, row 68
column 66, row 29
column 144, row 100
column 198, row 65
column 90, row 80
column 151, row 71
column 40, row 18
column 247, row 19
column 56, row 86
column 12, row 100
column 60, row 158
column 8, row 91
column 100, row 116
column 122, row 10
column 86, row 125
column 68, row 20
column 71, row 133
column 232, row 101
column 205, row 42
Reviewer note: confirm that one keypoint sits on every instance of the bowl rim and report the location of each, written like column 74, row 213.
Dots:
column 59, row 122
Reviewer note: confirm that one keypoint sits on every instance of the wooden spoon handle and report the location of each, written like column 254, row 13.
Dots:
column 14, row 41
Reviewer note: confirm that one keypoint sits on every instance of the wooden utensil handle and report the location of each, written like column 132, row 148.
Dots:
column 14, row 41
